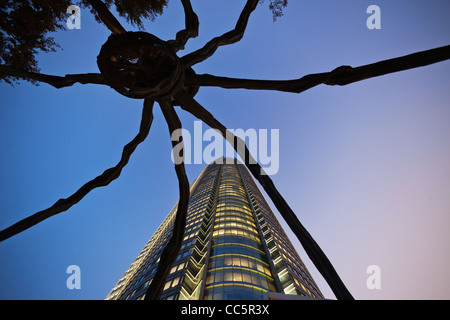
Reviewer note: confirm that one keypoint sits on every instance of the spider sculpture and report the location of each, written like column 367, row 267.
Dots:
column 140, row 65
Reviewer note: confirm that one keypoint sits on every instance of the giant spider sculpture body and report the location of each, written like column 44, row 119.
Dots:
column 140, row 65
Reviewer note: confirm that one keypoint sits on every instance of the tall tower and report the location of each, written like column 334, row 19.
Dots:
column 233, row 247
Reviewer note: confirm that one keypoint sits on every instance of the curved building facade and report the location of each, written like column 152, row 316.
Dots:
column 234, row 247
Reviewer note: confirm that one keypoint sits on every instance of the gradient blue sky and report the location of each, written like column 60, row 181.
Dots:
column 365, row 167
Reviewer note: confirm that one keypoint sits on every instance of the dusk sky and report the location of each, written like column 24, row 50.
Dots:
column 366, row 167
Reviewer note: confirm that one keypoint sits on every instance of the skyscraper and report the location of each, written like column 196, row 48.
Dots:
column 233, row 247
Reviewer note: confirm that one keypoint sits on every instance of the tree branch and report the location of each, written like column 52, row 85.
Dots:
column 172, row 248
column 102, row 180
column 55, row 81
column 313, row 250
column 107, row 17
column 227, row 38
column 191, row 30
column 340, row 76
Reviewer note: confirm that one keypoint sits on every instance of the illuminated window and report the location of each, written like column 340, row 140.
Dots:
column 172, row 283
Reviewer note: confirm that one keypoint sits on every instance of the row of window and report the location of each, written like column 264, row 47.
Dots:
column 237, row 240
column 240, row 262
column 241, row 276
column 236, row 218
column 178, row 267
column 191, row 229
column 184, row 254
column 231, row 209
column 228, row 212
column 172, row 283
column 193, row 221
column 238, row 250
column 231, row 206
column 233, row 293
column 229, row 182
column 236, row 232
column 235, row 225
column 232, row 194
column 231, row 186
column 189, row 236
column 306, row 289
column 138, row 285
column 227, row 200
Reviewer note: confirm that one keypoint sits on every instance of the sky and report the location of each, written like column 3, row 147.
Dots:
column 365, row 167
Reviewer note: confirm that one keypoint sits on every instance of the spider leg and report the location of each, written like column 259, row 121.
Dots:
column 172, row 248
column 227, row 38
column 100, row 181
column 191, row 30
column 55, row 81
column 313, row 250
column 340, row 76
column 107, row 17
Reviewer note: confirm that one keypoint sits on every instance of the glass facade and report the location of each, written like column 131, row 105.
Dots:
column 238, row 267
column 233, row 248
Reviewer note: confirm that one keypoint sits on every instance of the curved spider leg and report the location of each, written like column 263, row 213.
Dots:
column 100, row 181
column 227, row 38
column 340, row 76
column 107, row 17
column 55, row 81
column 313, row 250
column 172, row 248
column 191, row 30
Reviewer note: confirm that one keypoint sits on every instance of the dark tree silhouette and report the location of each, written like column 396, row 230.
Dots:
column 20, row 41
column 140, row 65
